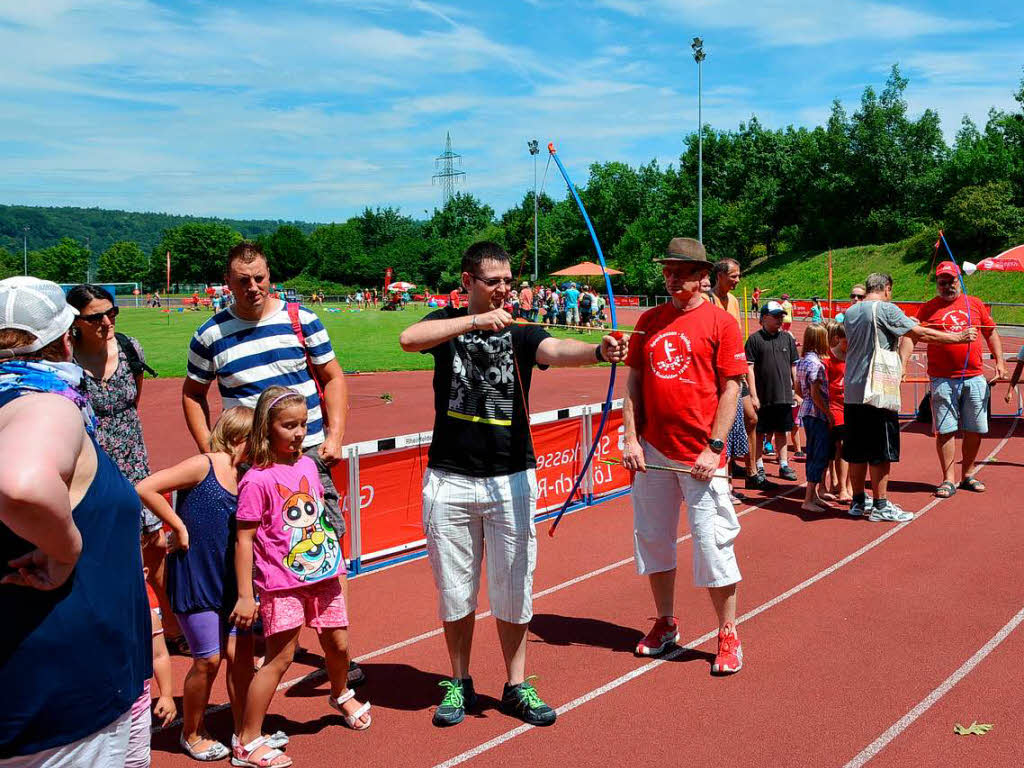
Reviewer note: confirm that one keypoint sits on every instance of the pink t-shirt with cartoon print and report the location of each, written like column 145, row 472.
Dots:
column 295, row 544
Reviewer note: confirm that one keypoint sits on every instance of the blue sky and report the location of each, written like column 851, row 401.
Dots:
column 312, row 110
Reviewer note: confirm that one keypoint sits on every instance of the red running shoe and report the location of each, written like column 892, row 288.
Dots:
column 664, row 633
column 729, row 659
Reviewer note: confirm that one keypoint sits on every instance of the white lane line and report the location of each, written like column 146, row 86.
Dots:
column 317, row 674
column 697, row 642
column 947, row 685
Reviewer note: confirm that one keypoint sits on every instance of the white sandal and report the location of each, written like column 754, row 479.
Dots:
column 352, row 721
column 216, row 751
column 243, row 758
column 275, row 740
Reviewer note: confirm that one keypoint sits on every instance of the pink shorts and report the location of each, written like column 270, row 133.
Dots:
column 320, row 606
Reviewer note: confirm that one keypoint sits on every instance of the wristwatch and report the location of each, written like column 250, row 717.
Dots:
column 716, row 445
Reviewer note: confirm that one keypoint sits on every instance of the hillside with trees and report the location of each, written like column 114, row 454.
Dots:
column 771, row 197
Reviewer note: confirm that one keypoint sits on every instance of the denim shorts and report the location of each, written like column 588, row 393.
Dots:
column 960, row 404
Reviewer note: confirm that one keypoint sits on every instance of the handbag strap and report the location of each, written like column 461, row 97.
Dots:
column 874, row 323
column 293, row 316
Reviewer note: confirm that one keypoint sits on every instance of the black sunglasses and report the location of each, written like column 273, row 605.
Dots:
column 97, row 317
column 492, row 282
column 856, row 296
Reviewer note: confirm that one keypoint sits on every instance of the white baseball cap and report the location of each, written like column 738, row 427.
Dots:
column 36, row 306
column 773, row 308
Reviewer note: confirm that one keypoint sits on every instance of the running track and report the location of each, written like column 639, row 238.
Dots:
column 864, row 642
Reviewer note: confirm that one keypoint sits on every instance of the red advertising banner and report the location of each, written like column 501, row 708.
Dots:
column 802, row 308
column 627, row 301
column 607, row 477
column 559, row 450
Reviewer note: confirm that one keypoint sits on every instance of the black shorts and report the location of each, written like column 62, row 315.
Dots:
column 774, row 418
column 872, row 434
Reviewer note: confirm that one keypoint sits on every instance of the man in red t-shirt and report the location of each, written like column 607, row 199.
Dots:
column 684, row 381
column 959, row 389
column 454, row 300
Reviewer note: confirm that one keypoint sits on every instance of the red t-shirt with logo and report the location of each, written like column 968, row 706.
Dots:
column 835, row 372
column 682, row 358
column 946, row 361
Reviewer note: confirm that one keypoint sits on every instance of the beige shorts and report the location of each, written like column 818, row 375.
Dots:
column 657, row 496
column 465, row 516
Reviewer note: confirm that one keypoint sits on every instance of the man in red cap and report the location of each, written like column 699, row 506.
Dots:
column 684, row 380
column 959, row 390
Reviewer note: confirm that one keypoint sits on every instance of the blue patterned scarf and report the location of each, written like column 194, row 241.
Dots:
column 20, row 377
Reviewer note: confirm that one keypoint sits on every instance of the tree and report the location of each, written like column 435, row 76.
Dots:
column 65, row 262
column 288, row 252
column 123, row 262
column 337, row 249
column 10, row 264
column 198, row 253
column 981, row 220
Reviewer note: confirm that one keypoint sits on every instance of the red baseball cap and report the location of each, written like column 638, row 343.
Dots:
column 947, row 268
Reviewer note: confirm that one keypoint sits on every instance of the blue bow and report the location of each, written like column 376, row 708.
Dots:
column 606, row 408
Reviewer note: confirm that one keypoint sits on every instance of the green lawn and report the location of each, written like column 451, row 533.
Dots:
column 803, row 275
column 364, row 341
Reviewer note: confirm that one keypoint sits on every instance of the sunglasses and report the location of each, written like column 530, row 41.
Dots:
column 492, row 282
column 857, row 296
column 97, row 317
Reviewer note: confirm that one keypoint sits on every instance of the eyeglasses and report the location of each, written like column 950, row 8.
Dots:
column 493, row 282
column 97, row 317
column 857, row 296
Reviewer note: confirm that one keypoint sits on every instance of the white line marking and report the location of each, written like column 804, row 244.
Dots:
column 697, row 642
column 947, row 685
column 317, row 674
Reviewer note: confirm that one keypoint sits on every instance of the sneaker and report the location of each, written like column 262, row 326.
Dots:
column 458, row 696
column 661, row 636
column 787, row 473
column 729, row 659
column 890, row 513
column 356, row 676
column 759, row 482
column 522, row 701
column 799, row 455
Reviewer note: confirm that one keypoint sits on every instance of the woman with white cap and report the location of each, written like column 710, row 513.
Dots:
column 71, row 585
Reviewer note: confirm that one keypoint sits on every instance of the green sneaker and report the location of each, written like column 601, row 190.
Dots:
column 458, row 696
column 524, row 702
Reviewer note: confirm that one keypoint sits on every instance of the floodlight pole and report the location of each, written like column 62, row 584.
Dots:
column 699, row 56
column 534, row 150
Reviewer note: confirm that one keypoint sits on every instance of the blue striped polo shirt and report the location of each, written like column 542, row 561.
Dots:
column 247, row 356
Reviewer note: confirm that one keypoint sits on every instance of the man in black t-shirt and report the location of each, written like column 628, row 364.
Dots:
column 772, row 358
column 480, row 487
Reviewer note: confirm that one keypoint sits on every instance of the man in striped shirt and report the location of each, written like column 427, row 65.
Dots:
column 252, row 345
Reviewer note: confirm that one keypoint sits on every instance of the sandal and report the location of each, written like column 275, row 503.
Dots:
column 276, row 740
column 352, row 721
column 945, row 490
column 216, row 751
column 244, row 757
column 972, row 484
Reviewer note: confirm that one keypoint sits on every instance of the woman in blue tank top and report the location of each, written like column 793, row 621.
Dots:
column 75, row 651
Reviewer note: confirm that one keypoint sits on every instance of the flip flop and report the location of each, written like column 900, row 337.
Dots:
column 972, row 484
column 945, row 490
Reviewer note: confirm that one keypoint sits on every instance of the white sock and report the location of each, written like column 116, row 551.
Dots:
column 760, row 463
column 783, row 465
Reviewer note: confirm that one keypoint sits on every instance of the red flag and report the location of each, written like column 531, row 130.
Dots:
column 168, row 272
column 387, row 279
column 830, row 283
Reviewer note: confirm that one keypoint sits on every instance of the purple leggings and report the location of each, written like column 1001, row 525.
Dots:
column 205, row 632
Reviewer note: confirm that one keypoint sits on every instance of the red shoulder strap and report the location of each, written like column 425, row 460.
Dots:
column 293, row 315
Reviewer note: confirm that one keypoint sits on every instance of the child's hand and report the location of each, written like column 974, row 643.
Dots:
column 244, row 613
column 1009, row 395
column 165, row 711
column 177, row 538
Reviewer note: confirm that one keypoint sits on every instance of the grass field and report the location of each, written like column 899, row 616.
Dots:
column 806, row 274
column 364, row 340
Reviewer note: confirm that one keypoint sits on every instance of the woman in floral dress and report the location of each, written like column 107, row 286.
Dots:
column 114, row 393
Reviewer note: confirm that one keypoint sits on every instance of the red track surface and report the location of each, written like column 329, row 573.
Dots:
column 877, row 617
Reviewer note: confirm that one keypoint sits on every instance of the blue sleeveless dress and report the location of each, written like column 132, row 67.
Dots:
column 202, row 578
column 73, row 660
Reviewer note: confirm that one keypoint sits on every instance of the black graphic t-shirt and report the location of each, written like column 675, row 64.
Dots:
column 480, row 417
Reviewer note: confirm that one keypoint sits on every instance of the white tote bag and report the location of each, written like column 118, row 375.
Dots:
column 883, row 385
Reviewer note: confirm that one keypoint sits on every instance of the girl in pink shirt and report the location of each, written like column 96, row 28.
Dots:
column 284, row 531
